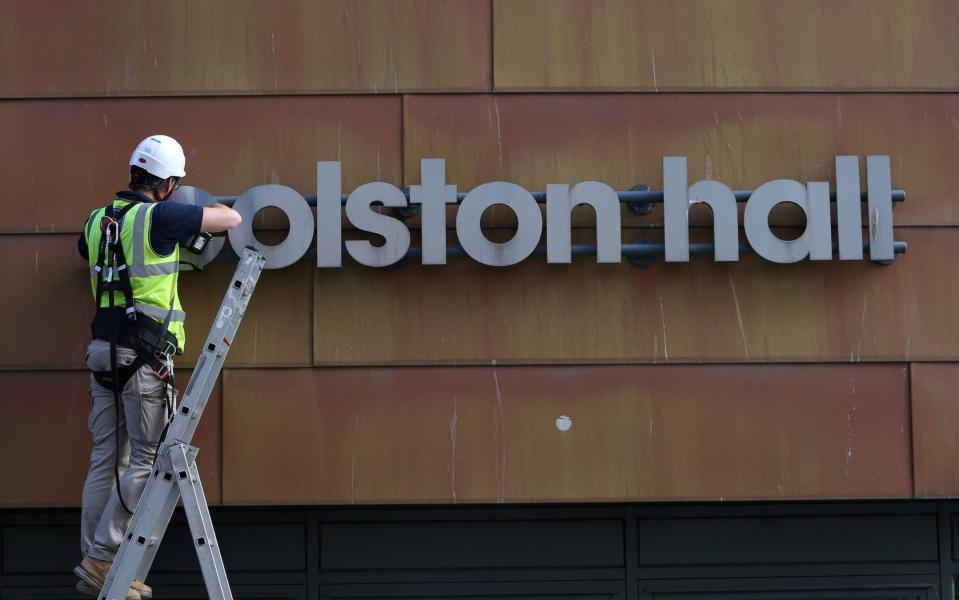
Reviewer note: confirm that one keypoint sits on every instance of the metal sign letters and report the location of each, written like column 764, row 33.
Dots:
column 433, row 194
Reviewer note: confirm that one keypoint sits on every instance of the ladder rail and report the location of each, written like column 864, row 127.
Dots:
column 215, row 349
column 201, row 525
column 175, row 474
column 140, row 543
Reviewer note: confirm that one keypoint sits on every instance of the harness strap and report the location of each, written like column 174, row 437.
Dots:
column 111, row 268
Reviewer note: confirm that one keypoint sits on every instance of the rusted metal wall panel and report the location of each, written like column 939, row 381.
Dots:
column 117, row 48
column 48, row 316
column 533, row 312
column 742, row 140
column 276, row 329
column 46, row 441
column 935, row 429
column 653, row 45
column 699, row 311
column 231, row 144
column 490, row 434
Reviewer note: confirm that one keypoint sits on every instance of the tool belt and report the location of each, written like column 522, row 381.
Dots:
column 153, row 344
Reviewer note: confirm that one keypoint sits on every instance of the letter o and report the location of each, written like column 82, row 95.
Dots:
column 528, row 231
column 298, row 212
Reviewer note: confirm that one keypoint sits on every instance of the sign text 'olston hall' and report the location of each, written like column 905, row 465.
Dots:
column 433, row 194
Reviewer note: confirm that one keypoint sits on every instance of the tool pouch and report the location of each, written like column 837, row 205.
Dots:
column 124, row 374
column 155, row 345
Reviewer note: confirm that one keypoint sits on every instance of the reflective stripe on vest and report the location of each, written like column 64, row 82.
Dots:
column 176, row 316
column 153, row 277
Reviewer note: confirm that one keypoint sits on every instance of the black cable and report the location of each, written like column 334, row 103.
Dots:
column 111, row 260
column 170, row 395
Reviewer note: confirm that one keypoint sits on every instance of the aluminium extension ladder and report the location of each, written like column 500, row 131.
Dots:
column 175, row 474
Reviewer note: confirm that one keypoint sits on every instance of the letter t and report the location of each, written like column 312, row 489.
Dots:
column 433, row 195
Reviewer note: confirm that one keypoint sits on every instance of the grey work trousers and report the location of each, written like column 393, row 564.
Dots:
column 142, row 418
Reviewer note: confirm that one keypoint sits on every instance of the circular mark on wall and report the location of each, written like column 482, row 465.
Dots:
column 563, row 423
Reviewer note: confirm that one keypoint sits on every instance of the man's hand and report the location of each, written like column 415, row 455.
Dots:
column 219, row 218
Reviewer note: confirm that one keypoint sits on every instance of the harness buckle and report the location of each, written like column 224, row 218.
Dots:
column 163, row 372
column 166, row 352
column 110, row 226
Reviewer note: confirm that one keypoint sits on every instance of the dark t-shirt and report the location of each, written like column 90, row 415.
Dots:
column 171, row 224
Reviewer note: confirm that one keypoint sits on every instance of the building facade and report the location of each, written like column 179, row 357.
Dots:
column 682, row 430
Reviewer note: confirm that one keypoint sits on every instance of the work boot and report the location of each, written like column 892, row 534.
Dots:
column 93, row 573
column 85, row 588
column 145, row 591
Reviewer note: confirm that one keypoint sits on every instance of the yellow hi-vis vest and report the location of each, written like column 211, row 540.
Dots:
column 153, row 277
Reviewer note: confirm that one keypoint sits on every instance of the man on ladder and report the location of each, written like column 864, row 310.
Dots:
column 133, row 246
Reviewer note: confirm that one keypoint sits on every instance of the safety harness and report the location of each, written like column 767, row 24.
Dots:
column 153, row 343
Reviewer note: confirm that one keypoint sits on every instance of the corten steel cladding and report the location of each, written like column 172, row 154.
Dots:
column 277, row 331
column 46, row 430
column 753, row 311
column 742, row 140
column 650, row 45
column 489, row 434
column 449, row 433
column 836, row 312
column 118, row 48
column 231, row 144
column 935, row 424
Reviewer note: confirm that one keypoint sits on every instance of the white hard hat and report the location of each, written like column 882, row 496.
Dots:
column 161, row 156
